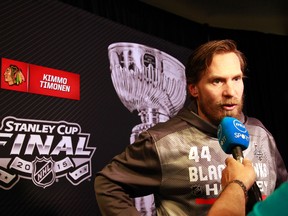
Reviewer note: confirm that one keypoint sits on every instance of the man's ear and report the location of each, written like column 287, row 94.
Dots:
column 193, row 90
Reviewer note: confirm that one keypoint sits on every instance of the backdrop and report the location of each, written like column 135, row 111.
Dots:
column 54, row 139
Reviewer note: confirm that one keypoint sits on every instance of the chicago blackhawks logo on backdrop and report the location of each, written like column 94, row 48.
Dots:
column 43, row 151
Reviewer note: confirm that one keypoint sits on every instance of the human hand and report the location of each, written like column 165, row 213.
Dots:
column 241, row 171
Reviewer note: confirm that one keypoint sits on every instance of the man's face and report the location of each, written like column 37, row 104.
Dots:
column 219, row 93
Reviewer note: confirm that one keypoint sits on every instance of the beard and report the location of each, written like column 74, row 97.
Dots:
column 215, row 112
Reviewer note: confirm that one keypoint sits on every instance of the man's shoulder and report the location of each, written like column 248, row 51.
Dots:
column 254, row 122
column 170, row 126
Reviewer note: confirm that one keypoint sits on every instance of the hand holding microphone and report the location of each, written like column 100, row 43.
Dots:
column 233, row 138
column 240, row 171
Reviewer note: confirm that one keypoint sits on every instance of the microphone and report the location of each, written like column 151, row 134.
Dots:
column 233, row 138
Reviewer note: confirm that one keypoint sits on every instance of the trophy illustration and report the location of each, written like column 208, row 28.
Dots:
column 151, row 82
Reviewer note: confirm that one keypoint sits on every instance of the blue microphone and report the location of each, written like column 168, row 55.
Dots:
column 233, row 137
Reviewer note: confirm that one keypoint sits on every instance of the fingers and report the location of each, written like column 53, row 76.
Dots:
column 246, row 162
column 228, row 160
column 242, row 171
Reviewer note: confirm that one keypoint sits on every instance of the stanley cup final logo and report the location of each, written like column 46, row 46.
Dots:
column 149, row 81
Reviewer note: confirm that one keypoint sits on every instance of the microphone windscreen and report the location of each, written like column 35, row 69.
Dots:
column 231, row 133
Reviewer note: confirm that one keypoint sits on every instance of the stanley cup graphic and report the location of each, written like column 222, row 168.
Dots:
column 151, row 82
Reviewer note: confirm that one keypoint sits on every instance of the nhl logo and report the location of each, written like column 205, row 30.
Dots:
column 43, row 173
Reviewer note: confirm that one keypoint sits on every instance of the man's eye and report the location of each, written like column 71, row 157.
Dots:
column 216, row 81
column 238, row 78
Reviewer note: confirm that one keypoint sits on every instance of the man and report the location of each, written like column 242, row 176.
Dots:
column 232, row 199
column 180, row 161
